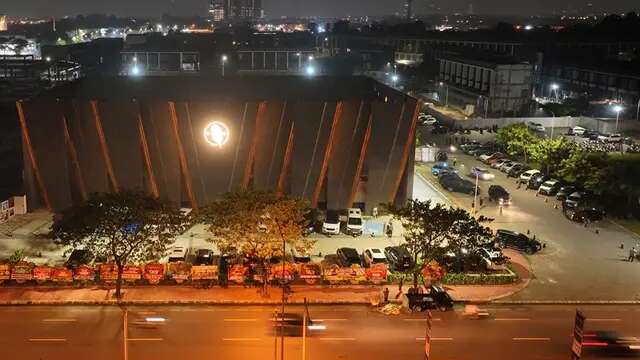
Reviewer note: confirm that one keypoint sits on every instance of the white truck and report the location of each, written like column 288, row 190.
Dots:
column 354, row 222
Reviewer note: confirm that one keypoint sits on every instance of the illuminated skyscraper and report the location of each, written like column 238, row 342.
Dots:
column 230, row 10
column 217, row 9
column 408, row 9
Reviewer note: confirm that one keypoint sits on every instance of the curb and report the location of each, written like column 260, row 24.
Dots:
column 173, row 302
column 566, row 302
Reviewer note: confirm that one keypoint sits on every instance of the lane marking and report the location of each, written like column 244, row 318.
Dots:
column 145, row 339
column 48, row 339
column 58, row 320
column 511, row 319
column 241, row 339
column 530, row 339
column 590, row 319
column 337, row 339
column 321, row 320
column 240, row 320
column 434, row 319
column 435, row 339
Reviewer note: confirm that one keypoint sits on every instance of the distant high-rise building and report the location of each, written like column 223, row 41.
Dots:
column 470, row 10
column 408, row 9
column 229, row 10
column 3, row 23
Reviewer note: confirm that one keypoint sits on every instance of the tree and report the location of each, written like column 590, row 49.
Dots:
column 516, row 139
column 255, row 224
column 584, row 169
column 128, row 226
column 549, row 153
column 431, row 230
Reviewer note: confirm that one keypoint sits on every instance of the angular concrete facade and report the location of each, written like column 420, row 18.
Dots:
column 339, row 142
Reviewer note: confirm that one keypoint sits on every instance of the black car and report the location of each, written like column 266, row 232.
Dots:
column 204, row 257
column 564, row 192
column 435, row 298
column 515, row 240
column 398, row 257
column 593, row 135
column 536, row 180
column 578, row 198
column 291, row 324
column 456, row 184
column 517, row 169
column 439, row 129
column 610, row 342
column 77, row 258
column 585, row 212
column 499, row 194
column 348, row 257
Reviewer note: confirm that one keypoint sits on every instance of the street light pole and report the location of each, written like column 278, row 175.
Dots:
column 638, row 111
column 224, row 60
column 475, row 195
column 553, row 122
column 125, row 336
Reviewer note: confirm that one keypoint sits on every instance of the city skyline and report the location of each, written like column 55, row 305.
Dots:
column 327, row 8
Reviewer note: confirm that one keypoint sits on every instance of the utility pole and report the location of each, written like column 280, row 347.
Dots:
column 125, row 327
column 304, row 330
column 475, row 196
column 427, row 337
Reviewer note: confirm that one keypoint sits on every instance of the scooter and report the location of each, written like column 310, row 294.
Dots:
column 473, row 312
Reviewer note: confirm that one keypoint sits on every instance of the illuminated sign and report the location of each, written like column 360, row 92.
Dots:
column 216, row 133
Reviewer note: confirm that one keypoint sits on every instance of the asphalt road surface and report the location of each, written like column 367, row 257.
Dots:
column 352, row 332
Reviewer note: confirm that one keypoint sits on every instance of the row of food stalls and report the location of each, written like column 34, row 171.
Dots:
column 185, row 273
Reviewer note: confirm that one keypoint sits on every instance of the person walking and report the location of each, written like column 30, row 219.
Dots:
column 399, row 289
column 385, row 295
column 633, row 252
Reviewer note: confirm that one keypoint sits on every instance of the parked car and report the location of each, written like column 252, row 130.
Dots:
column 426, row 119
column 499, row 194
column 496, row 164
column 577, row 198
column 536, row 180
column 493, row 157
column 614, row 138
column 493, row 258
column 481, row 173
column 331, row 223
column 435, row 169
column 577, row 130
column 504, row 164
column 506, row 168
column 470, row 145
column 586, row 212
column 536, row 127
column 300, row 257
column 549, row 187
column 454, row 183
column 398, row 257
column 372, row 256
column 348, row 256
column 594, row 135
column 588, row 133
column 515, row 240
column 517, row 170
column 526, row 176
column 564, row 192
column 203, row 257
column 78, row 257
column 354, row 222
column 439, row 129
column 178, row 253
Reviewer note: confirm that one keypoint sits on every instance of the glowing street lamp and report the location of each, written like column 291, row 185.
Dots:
column 224, row 60
column 618, row 109
column 310, row 70
column 216, row 134
column 554, row 88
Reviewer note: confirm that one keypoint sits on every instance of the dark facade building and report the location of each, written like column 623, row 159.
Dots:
column 339, row 142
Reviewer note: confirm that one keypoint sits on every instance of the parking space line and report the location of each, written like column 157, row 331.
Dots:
column 48, row 340
column 337, row 339
column 241, row 339
column 145, row 339
column 240, row 320
column 530, row 339
column 511, row 319
column 590, row 319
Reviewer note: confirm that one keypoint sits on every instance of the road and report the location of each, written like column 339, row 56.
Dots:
column 352, row 333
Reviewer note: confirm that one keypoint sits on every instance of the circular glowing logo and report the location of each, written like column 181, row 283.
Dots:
column 216, row 133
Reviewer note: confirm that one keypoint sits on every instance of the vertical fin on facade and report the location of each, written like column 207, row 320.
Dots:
column 248, row 170
column 184, row 166
column 286, row 163
column 74, row 159
column 146, row 154
column 315, row 148
column 276, row 145
column 327, row 154
column 393, row 147
column 32, row 157
column 361, row 159
column 238, row 146
column 411, row 137
column 103, row 146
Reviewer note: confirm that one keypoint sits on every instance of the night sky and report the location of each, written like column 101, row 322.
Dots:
column 275, row 8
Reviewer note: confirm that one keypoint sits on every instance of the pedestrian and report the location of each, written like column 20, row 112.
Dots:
column 374, row 212
column 455, row 161
column 632, row 254
column 399, row 289
column 481, row 202
column 385, row 295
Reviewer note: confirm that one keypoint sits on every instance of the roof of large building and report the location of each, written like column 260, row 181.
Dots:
column 295, row 88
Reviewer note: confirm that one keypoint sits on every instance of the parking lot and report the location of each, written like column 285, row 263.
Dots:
column 578, row 262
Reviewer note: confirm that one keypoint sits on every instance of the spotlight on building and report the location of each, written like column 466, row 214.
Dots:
column 216, row 134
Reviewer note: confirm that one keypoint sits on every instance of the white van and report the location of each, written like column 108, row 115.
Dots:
column 178, row 253
column 354, row 222
column 331, row 223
